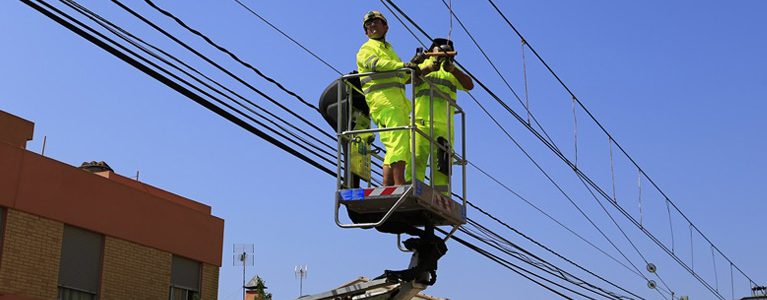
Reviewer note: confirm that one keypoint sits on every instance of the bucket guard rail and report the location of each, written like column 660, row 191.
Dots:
column 417, row 204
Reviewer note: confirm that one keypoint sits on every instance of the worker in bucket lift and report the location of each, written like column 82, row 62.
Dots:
column 445, row 80
column 385, row 95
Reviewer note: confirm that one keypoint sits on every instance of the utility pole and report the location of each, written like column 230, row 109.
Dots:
column 301, row 272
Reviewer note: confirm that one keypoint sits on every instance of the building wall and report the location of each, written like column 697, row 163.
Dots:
column 109, row 204
column 209, row 284
column 143, row 226
column 131, row 271
column 30, row 257
column 31, row 250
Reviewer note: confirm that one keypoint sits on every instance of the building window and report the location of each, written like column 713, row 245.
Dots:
column 3, row 211
column 72, row 294
column 184, row 279
column 80, row 266
column 177, row 293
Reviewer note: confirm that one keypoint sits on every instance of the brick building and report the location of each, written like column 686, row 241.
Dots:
column 66, row 233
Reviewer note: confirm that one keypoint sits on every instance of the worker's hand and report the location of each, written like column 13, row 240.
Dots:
column 419, row 56
column 414, row 67
column 428, row 68
column 448, row 65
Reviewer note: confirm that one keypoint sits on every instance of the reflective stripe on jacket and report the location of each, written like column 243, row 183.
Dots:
column 445, row 85
column 377, row 56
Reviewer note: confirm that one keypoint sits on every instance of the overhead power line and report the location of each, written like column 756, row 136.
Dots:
column 550, row 250
column 222, row 49
column 501, row 244
column 58, row 16
column 246, row 64
column 511, row 266
column 631, row 159
column 317, row 57
column 287, row 36
column 134, row 62
column 121, row 33
column 232, row 75
column 497, row 71
column 219, row 67
column 579, row 172
column 531, row 129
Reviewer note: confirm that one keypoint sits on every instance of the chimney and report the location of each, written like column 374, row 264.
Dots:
column 14, row 130
column 96, row 167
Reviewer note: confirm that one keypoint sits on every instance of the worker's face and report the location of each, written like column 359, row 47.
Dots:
column 376, row 29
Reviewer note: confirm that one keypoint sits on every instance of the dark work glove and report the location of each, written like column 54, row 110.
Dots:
column 419, row 56
column 414, row 67
column 448, row 65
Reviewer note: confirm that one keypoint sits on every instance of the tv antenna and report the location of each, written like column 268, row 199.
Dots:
column 242, row 256
column 301, row 271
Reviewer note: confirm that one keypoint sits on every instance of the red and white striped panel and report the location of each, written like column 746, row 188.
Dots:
column 443, row 202
column 385, row 191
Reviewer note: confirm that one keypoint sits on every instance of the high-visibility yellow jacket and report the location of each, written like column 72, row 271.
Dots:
column 381, row 90
column 446, row 86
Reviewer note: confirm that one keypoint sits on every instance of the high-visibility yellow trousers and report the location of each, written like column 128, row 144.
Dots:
column 422, row 154
column 389, row 108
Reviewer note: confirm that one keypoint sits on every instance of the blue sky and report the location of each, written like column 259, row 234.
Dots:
column 680, row 85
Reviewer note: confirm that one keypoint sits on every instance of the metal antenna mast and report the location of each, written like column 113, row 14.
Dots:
column 301, row 272
column 242, row 256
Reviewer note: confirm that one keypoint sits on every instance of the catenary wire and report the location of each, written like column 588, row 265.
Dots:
column 550, row 217
column 133, row 62
column 503, row 78
column 604, row 130
column 652, row 237
column 546, row 142
column 491, row 244
column 553, row 147
column 465, row 29
column 519, row 146
column 622, row 231
column 552, row 251
column 512, row 90
column 505, row 263
column 505, row 248
column 528, row 257
column 411, row 33
column 293, row 40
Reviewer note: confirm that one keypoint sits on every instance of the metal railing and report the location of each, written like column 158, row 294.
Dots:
column 344, row 174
